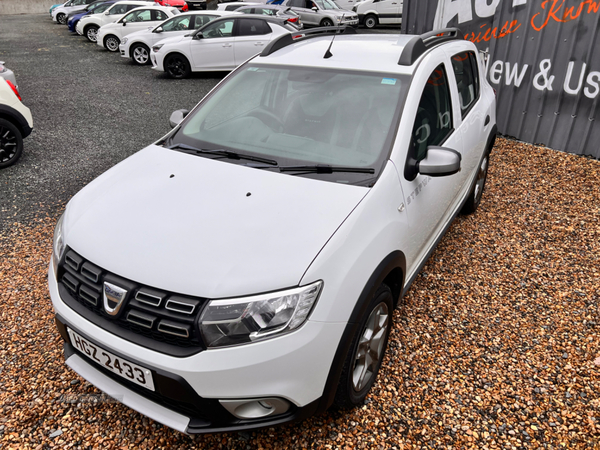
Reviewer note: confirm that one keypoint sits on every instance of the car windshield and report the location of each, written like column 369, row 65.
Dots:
column 326, row 4
column 300, row 116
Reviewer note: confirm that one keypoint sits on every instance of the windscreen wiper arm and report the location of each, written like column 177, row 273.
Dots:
column 324, row 168
column 222, row 152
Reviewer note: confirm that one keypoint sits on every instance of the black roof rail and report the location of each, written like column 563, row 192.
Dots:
column 420, row 44
column 287, row 39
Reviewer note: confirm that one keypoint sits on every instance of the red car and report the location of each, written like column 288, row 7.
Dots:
column 179, row 4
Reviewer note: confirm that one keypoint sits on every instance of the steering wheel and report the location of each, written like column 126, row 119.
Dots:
column 268, row 118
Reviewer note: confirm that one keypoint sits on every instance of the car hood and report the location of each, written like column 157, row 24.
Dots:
column 204, row 227
column 175, row 39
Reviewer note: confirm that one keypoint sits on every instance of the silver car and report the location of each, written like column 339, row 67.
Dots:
column 274, row 10
column 320, row 13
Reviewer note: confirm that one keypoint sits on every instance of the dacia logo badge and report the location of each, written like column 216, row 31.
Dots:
column 113, row 298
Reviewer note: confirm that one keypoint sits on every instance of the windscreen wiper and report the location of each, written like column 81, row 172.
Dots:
column 324, row 168
column 221, row 152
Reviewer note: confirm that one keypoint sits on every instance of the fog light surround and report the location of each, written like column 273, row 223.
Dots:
column 256, row 408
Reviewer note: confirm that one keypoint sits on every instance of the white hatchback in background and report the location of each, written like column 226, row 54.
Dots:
column 89, row 25
column 60, row 13
column 137, row 45
column 374, row 12
column 222, row 44
column 16, row 123
column 143, row 18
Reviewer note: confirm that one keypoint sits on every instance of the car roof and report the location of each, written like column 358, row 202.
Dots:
column 135, row 2
column 399, row 54
column 207, row 12
column 272, row 19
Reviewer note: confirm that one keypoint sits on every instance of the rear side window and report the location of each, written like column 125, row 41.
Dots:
column 253, row 27
column 120, row 9
column 467, row 78
column 202, row 20
column 159, row 15
column 433, row 123
column 177, row 24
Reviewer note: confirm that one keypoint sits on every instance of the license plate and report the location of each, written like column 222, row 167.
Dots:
column 126, row 369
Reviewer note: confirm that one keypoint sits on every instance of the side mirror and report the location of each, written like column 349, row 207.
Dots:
column 107, row 13
column 158, row 30
column 124, row 22
column 314, row 8
column 177, row 117
column 198, row 35
column 440, row 162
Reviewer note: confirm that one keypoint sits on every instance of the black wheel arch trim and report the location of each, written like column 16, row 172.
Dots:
column 392, row 265
column 14, row 116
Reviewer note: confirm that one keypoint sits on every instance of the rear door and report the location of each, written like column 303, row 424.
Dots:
column 251, row 37
column 389, row 11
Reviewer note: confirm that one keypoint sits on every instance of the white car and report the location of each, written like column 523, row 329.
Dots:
column 16, row 123
column 89, row 25
column 137, row 45
column 374, row 12
column 60, row 13
column 232, row 6
column 222, row 44
column 243, row 271
column 143, row 18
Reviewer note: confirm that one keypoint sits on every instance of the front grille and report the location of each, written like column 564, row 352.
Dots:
column 156, row 319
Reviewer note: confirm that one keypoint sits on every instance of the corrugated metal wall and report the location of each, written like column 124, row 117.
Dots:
column 544, row 63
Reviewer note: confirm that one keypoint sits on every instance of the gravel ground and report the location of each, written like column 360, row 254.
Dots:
column 495, row 346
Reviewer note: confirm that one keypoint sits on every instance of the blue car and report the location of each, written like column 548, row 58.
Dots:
column 95, row 9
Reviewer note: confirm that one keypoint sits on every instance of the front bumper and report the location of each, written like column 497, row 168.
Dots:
column 293, row 367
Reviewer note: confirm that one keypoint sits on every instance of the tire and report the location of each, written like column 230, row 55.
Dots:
column 61, row 18
column 326, row 23
column 140, row 54
column 111, row 43
column 91, row 33
column 371, row 21
column 366, row 351
column 177, row 66
column 474, row 198
column 11, row 143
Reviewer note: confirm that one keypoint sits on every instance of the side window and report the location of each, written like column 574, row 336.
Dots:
column 222, row 28
column 467, row 79
column 118, row 9
column 177, row 24
column 130, row 7
column 433, row 123
column 253, row 27
column 202, row 20
column 159, row 15
column 143, row 15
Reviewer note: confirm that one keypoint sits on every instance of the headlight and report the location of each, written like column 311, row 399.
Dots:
column 250, row 319
column 156, row 48
column 58, row 245
column 124, row 40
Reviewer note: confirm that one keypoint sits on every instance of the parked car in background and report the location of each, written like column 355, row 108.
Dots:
column 89, row 25
column 232, row 6
column 109, row 36
column 53, row 7
column 60, row 13
column 285, row 12
column 16, row 123
column 97, row 8
column 181, row 5
column 320, row 13
column 137, row 45
column 221, row 44
column 243, row 271
column 374, row 12
column 89, row 7
column 8, row 74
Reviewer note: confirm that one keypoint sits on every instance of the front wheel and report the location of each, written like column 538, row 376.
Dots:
column 366, row 352
column 91, row 33
column 140, row 54
column 370, row 21
column 326, row 23
column 177, row 66
column 474, row 197
column 111, row 43
column 11, row 143
column 61, row 18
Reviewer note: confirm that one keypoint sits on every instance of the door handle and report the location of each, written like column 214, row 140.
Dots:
column 487, row 120
column 259, row 44
column 226, row 45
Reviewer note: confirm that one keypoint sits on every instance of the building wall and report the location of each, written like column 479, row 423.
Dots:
column 544, row 62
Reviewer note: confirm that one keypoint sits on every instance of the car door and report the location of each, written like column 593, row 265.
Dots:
column 389, row 11
column 303, row 8
column 137, row 20
column 251, row 36
column 214, row 50
column 430, row 200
